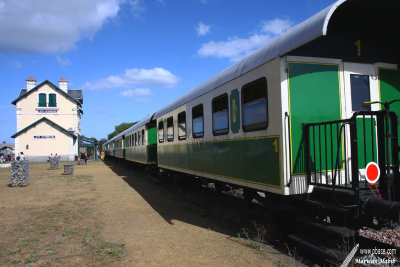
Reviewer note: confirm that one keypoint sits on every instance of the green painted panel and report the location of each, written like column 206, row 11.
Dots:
column 389, row 86
column 323, row 148
column 366, row 142
column 235, row 111
column 123, row 147
column 151, row 135
column 255, row 160
column 314, row 96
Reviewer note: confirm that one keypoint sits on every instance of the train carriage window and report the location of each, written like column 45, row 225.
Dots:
column 135, row 142
column 360, row 92
column 182, row 125
column 139, row 143
column 170, row 129
column 220, row 115
column 197, row 121
column 143, row 137
column 254, row 105
column 161, row 132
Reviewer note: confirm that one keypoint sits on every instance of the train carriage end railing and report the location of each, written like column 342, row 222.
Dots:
column 336, row 151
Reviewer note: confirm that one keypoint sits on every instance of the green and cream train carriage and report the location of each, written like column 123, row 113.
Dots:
column 246, row 126
column 137, row 143
column 141, row 142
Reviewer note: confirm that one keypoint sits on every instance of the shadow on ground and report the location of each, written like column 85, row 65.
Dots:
column 170, row 200
column 187, row 201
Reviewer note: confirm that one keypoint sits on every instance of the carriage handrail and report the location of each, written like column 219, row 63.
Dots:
column 389, row 164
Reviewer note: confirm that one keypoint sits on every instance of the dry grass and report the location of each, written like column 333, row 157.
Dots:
column 113, row 216
column 52, row 221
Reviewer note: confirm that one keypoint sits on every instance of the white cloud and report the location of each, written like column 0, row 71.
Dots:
column 63, row 61
column 136, row 92
column 276, row 26
column 52, row 26
column 16, row 64
column 236, row 48
column 202, row 29
column 131, row 77
column 137, row 7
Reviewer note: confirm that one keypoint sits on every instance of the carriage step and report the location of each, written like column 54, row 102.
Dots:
column 316, row 247
column 342, row 233
column 328, row 206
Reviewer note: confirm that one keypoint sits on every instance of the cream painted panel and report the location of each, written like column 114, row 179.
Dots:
column 60, row 144
column 64, row 116
column 62, row 120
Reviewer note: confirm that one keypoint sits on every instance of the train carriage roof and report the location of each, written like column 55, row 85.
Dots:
column 343, row 16
column 146, row 120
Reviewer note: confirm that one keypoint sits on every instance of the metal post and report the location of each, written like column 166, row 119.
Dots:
column 306, row 129
column 381, row 153
column 354, row 158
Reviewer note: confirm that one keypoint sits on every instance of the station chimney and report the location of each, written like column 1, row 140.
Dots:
column 30, row 83
column 63, row 84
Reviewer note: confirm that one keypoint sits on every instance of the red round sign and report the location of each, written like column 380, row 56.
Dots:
column 372, row 173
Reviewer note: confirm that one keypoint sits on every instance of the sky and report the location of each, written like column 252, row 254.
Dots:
column 131, row 57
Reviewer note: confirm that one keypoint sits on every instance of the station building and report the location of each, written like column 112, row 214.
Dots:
column 48, row 120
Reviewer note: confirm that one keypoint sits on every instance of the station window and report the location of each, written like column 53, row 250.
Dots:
column 52, row 100
column 197, row 121
column 143, row 137
column 139, row 143
column 170, row 129
column 220, row 115
column 161, row 132
column 254, row 105
column 182, row 125
column 42, row 100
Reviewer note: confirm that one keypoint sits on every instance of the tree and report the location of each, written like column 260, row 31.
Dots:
column 101, row 142
column 120, row 128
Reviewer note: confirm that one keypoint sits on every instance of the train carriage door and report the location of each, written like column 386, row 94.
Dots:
column 389, row 86
column 360, row 86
